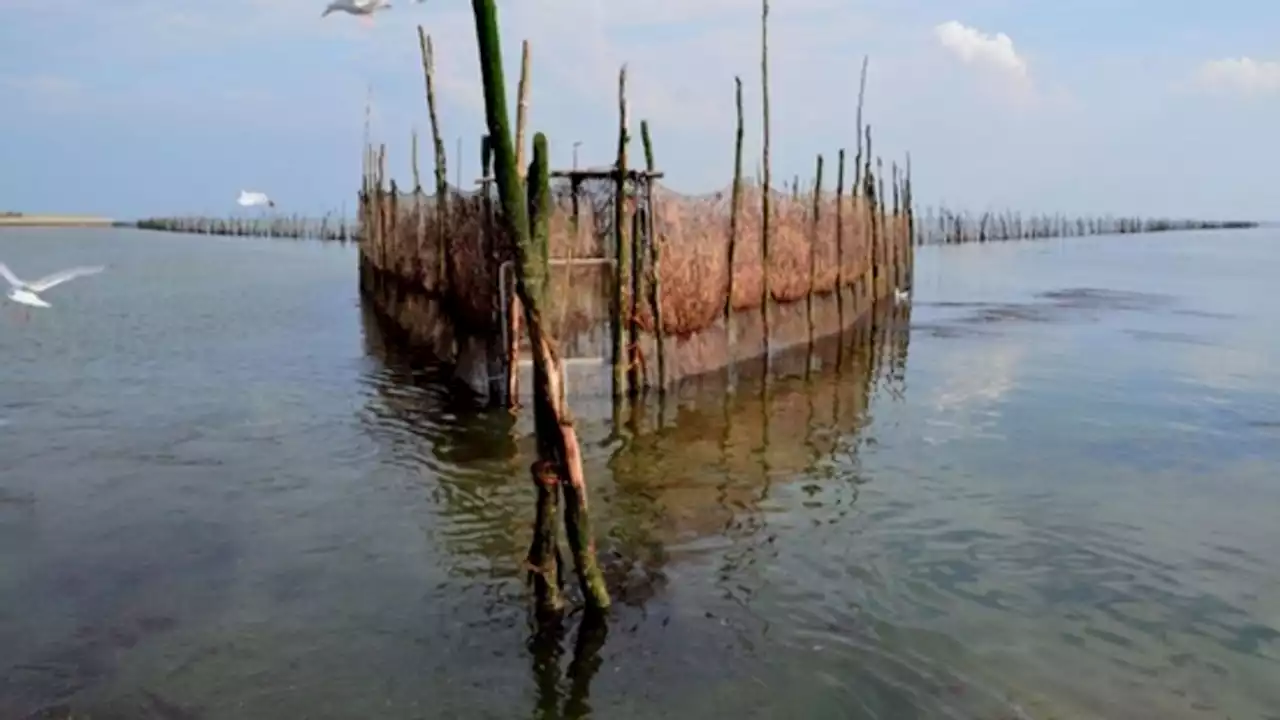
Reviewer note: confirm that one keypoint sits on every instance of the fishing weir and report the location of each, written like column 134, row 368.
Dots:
column 330, row 228
column 644, row 287
column 941, row 226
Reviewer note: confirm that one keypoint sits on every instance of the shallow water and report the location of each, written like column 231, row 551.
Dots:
column 223, row 496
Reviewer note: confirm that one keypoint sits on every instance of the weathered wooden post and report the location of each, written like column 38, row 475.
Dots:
column 813, row 247
column 735, row 204
column 442, row 215
column 513, row 310
column 634, row 365
column 869, row 193
column 840, row 238
column 622, row 253
column 495, row 358
column 909, row 202
column 419, row 216
column 413, row 152
column 655, row 258
column 885, row 247
column 860, row 198
column 765, row 225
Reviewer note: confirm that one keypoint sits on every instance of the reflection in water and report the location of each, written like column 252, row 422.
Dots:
column 687, row 481
column 547, row 650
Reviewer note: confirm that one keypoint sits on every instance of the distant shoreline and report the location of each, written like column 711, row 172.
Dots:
column 21, row 220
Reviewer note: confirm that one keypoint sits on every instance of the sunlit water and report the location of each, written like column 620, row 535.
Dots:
column 223, row 496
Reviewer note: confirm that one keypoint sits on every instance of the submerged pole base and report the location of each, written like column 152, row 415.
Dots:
column 544, row 552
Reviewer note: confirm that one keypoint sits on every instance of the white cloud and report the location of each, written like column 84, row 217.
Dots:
column 993, row 53
column 1240, row 76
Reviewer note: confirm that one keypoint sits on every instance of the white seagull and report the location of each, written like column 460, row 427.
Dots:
column 362, row 8
column 27, row 293
column 251, row 199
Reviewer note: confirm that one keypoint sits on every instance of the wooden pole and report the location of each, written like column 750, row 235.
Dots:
column 655, row 258
column 634, row 366
column 513, row 304
column 869, row 193
column 417, row 180
column 543, row 560
column 419, row 217
column 499, row 371
column 442, row 183
column 558, row 446
column 840, row 236
column 898, row 251
column 860, row 198
column 885, row 247
column 768, row 173
column 862, row 91
column 813, row 243
column 735, row 203
column 908, row 201
column 622, row 253
column 522, row 106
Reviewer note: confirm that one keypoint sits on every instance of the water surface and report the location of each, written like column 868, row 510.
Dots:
column 224, row 495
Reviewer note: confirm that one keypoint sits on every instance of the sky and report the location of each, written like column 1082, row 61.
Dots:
column 136, row 108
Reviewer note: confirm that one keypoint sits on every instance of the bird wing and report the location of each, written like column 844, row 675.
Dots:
column 62, row 276
column 9, row 276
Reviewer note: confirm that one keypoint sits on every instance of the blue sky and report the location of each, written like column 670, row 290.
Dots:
column 138, row 107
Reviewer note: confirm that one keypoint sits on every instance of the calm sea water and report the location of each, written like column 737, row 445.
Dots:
column 223, row 496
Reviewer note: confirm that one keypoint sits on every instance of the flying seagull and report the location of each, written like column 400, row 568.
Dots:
column 251, row 199
column 27, row 293
column 364, row 9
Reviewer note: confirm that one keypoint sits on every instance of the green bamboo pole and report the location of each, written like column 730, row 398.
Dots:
column 537, row 186
column 557, row 439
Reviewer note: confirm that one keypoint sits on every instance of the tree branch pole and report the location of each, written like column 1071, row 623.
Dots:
column 442, row 176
